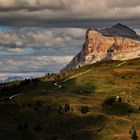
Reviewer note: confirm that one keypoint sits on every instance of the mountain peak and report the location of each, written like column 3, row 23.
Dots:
column 116, row 43
column 119, row 25
column 122, row 27
column 120, row 30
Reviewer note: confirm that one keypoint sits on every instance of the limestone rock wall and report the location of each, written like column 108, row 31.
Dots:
column 98, row 47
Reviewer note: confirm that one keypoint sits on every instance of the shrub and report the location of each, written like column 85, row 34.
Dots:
column 84, row 109
column 60, row 109
column 120, row 100
column 67, row 107
column 110, row 101
column 133, row 133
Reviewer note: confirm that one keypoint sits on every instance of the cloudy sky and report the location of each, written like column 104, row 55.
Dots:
column 40, row 36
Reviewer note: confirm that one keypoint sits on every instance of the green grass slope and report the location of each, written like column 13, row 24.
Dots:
column 51, row 107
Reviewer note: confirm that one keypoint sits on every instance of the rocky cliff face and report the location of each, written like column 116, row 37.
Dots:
column 116, row 43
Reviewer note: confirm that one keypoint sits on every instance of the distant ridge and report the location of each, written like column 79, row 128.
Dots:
column 13, row 78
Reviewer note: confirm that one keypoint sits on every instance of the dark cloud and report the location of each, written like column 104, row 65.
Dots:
column 69, row 23
column 46, row 34
column 66, row 13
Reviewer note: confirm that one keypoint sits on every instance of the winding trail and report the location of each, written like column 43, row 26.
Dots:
column 12, row 97
column 77, row 75
column 58, row 85
column 121, row 63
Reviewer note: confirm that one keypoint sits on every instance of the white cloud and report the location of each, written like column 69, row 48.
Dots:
column 42, row 50
column 40, row 37
column 33, row 63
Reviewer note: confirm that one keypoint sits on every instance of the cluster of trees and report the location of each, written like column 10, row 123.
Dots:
column 113, row 100
column 9, row 90
column 65, row 108
column 56, row 76
column 52, row 75
column 29, row 81
column 61, row 109
column 59, row 76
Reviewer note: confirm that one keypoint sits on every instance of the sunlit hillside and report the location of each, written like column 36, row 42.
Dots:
column 95, row 102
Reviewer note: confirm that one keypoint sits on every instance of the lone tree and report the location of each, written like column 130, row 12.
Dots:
column 133, row 134
column 60, row 110
column 67, row 107
column 84, row 109
column 109, row 101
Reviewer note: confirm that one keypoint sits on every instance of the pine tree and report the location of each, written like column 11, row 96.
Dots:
column 133, row 134
column 67, row 107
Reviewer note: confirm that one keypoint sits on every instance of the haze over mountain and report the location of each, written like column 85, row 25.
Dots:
column 116, row 43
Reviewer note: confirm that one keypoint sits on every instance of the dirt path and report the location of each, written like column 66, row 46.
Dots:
column 58, row 85
column 77, row 75
column 121, row 64
column 12, row 97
